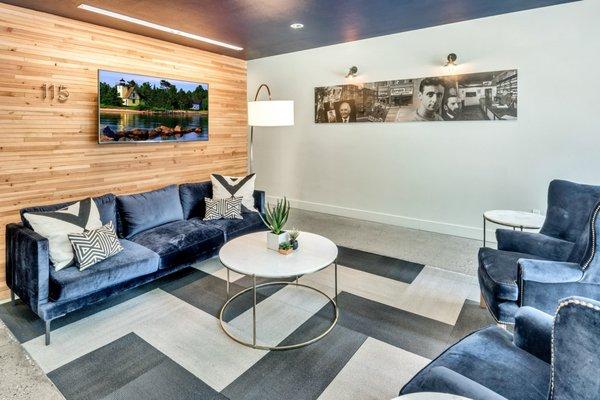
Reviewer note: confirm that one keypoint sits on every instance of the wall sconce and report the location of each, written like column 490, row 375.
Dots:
column 451, row 60
column 352, row 72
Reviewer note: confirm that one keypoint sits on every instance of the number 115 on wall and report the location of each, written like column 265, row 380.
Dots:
column 49, row 90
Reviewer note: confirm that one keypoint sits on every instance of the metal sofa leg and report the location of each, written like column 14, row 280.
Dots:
column 48, row 332
column 12, row 297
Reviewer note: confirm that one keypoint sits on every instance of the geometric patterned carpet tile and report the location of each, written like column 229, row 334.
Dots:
column 163, row 340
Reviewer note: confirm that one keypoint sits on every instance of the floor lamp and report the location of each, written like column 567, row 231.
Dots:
column 267, row 113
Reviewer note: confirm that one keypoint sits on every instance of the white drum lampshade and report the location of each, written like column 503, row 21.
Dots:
column 271, row 113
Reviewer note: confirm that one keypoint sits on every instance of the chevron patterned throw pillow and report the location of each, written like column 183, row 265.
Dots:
column 95, row 245
column 230, row 208
column 225, row 187
column 57, row 225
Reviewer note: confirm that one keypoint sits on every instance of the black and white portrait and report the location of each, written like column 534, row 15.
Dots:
column 476, row 97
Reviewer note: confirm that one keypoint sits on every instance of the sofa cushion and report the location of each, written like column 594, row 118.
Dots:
column 132, row 262
column 180, row 242
column 489, row 358
column 142, row 211
column 107, row 207
column 192, row 198
column 498, row 272
column 231, row 228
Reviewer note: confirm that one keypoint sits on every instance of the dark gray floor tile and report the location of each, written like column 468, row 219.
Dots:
column 411, row 332
column 393, row 268
column 471, row 318
column 128, row 368
column 168, row 380
column 209, row 293
column 301, row 373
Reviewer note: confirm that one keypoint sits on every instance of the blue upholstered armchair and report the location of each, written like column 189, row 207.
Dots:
column 563, row 238
column 543, row 283
column 546, row 358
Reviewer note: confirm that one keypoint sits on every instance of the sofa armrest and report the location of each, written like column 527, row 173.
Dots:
column 533, row 332
column 27, row 265
column 259, row 200
column 534, row 243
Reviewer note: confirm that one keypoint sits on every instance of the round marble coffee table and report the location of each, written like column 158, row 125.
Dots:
column 248, row 255
column 513, row 219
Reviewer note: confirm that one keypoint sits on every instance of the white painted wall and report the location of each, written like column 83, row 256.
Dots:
column 441, row 176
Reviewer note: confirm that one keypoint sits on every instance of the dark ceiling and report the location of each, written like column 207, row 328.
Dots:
column 262, row 27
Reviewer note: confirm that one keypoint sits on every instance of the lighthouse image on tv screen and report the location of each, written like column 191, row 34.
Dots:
column 140, row 108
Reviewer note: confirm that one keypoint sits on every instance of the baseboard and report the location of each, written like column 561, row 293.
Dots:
column 392, row 219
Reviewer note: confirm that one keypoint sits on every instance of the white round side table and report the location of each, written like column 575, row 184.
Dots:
column 248, row 255
column 513, row 219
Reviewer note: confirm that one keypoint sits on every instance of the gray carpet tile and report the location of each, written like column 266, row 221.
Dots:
column 393, row 268
column 471, row 318
column 128, row 368
column 411, row 332
column 208, row 293
column 301, row 373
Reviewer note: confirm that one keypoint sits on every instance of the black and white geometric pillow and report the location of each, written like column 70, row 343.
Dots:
column 94, row 246
column 230, row 208
column 231, row 186
column 56, row 225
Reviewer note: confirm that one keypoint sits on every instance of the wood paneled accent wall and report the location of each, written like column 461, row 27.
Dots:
column 49, row 151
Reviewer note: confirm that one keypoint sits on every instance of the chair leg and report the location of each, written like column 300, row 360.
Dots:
column 47, row 332
column 481, row 301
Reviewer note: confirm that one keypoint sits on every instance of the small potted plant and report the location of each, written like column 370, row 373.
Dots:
column 294, row 233
column 285, row 248
column 275, row 218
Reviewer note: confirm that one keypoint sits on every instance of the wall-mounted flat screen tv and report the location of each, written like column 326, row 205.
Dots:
column 139, row 108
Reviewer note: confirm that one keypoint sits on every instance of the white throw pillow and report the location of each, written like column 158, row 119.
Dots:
column 56, row 226
column 226, row 187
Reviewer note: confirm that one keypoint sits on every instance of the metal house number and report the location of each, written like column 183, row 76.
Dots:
column 51, row 91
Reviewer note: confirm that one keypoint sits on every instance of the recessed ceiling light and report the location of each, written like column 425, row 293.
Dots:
column 157, row 26
column 297, row 25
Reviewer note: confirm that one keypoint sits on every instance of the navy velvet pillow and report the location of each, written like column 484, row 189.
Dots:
column 107, row 207
column 142, row 211
column 192, row 198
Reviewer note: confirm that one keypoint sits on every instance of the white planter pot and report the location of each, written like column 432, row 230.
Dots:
column 273, row 240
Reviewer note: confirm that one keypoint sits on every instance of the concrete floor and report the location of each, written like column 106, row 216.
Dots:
column 22, row 379
column 434, row 249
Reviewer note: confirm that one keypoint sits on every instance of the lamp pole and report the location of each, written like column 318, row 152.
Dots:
column 251, row 156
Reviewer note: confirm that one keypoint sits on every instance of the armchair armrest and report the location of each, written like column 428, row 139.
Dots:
column 545, row 271
column 543, row 283
column 445, row 380
column 534, row 243
column 27, row 265
column 533, row 332
column 259, row 201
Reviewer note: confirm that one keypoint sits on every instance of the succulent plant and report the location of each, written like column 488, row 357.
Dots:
column 276, row 215
column 285, row 246
column 294, row 233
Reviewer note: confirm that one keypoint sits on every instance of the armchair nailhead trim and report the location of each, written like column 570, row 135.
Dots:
column 593, row 222
column 560, row 306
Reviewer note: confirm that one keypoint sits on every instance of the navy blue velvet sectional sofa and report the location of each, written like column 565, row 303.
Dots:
column 161, row 232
